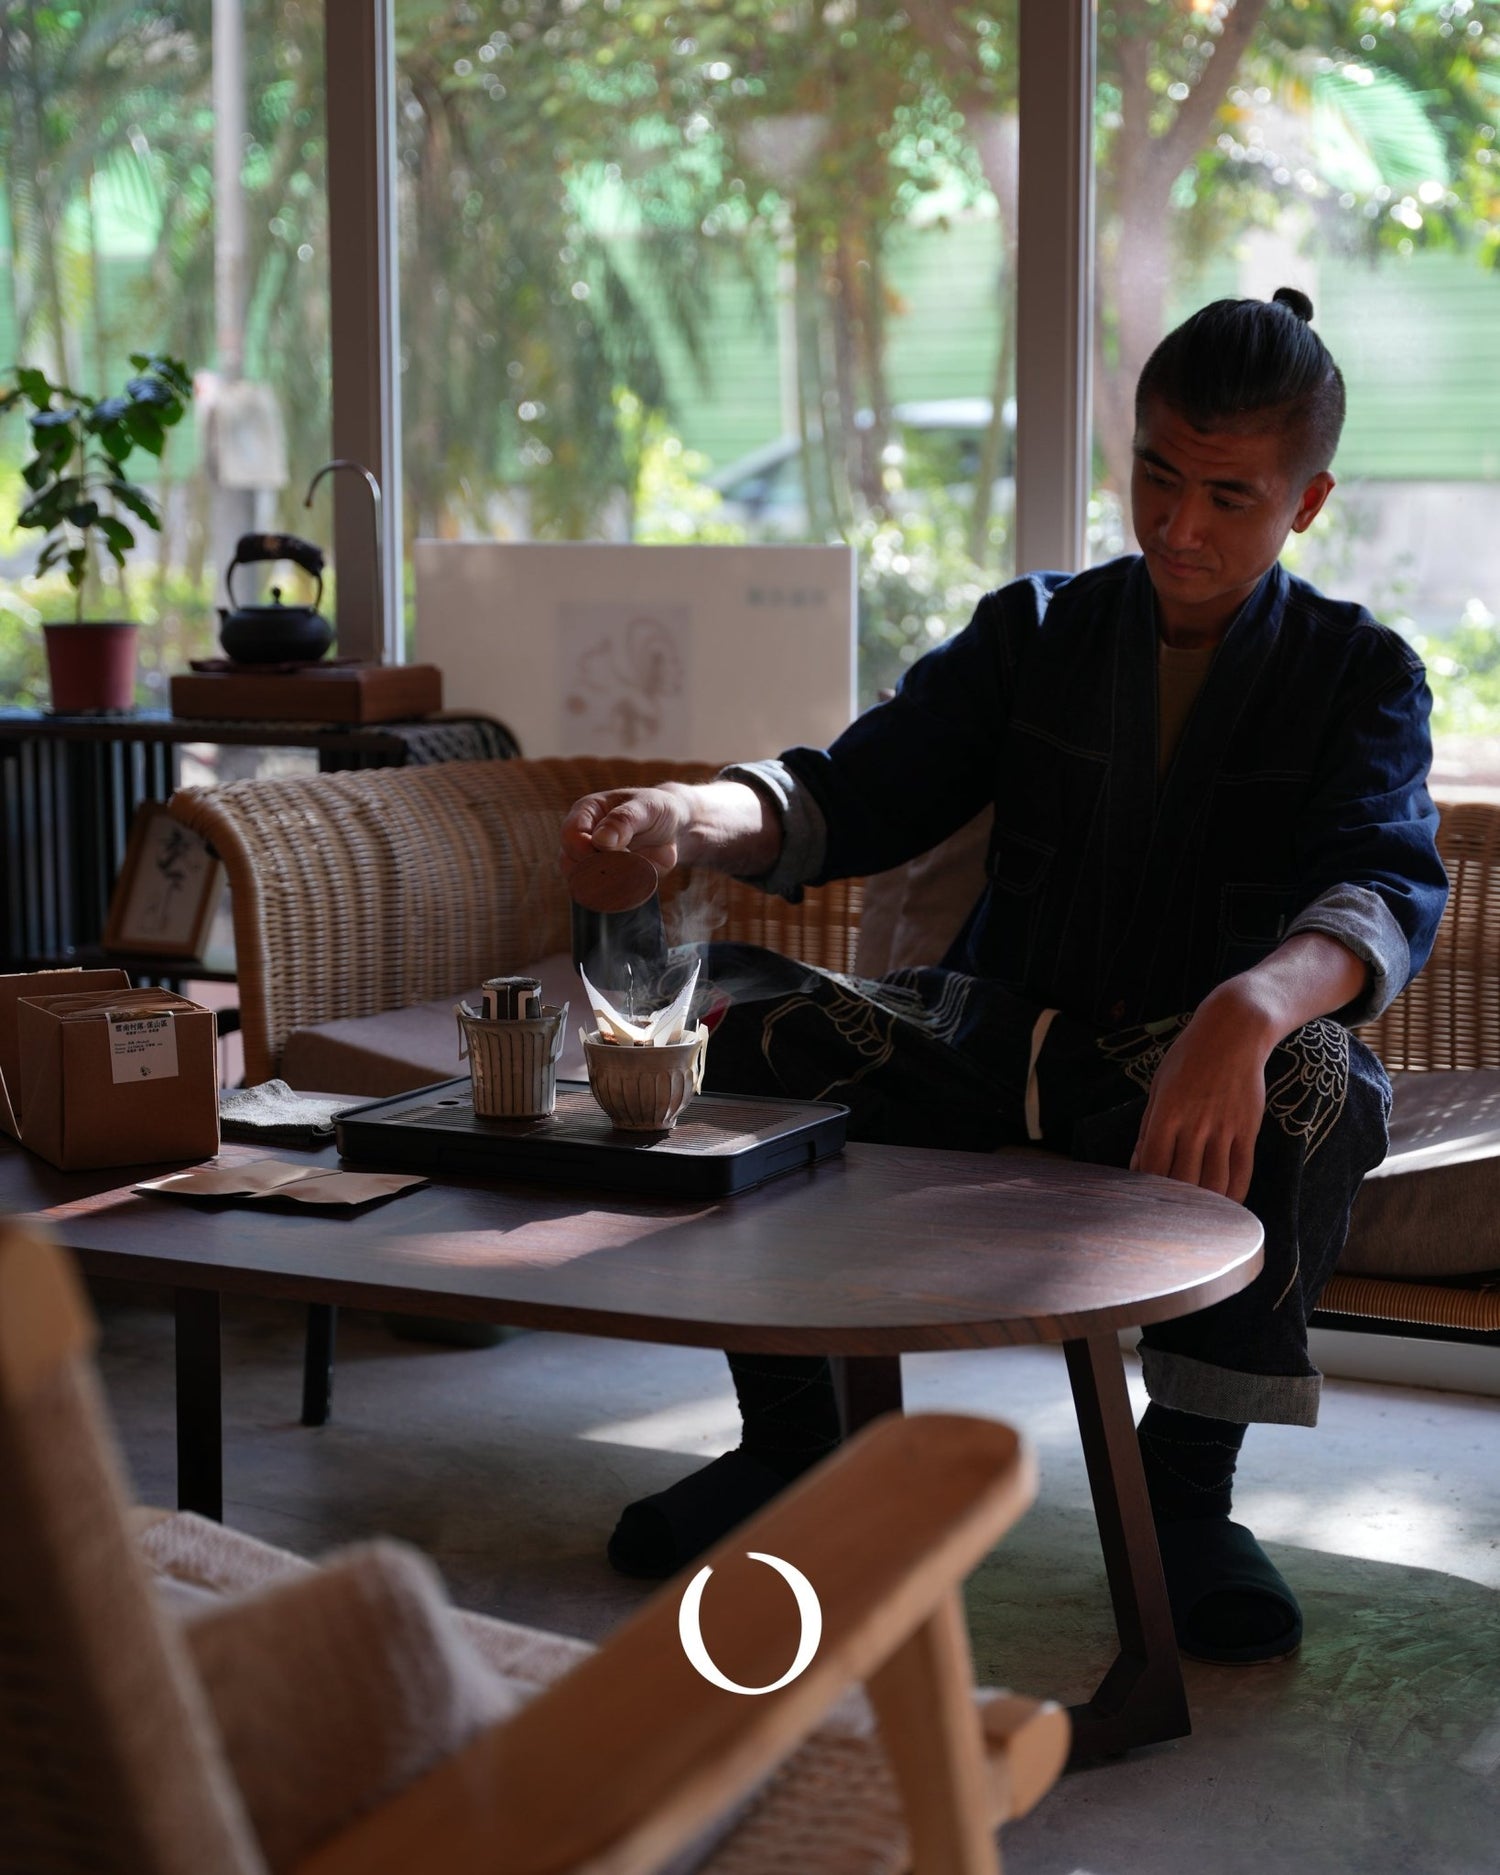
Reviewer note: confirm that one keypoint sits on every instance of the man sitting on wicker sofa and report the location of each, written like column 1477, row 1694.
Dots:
column 1209, row 785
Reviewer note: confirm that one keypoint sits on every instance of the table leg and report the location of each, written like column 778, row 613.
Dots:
column 1141, row 1700
column 200, row 1440
column 317, row 1363
column 867, row 1385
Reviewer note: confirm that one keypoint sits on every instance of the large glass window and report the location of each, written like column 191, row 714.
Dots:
column 162, row 190
column 678, row 273
column 1350, row 150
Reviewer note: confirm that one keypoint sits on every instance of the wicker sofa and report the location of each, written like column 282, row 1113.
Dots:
column 364, row 902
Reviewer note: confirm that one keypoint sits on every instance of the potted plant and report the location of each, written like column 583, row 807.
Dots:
column 79, row 496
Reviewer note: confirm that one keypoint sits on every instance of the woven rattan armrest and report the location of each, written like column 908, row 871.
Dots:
column 378, row 889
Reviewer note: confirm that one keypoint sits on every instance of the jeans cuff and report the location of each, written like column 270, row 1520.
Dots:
column 1227, row 1393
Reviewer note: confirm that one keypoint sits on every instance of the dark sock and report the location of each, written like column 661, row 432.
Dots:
column 1189, row 1461
column 790, row 1420
column 789, row 1412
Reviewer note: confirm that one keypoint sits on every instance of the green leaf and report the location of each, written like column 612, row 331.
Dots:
column 137, row 502
column 108, row 410
column 50, row 508
column 145, row 428
column 170, row 374
column 78, row 567
column 33, row 384
column 50, row 555
column 84, row 513
column 1374, row 131
column 116, row 441
column 36, row 472
column 117, row 537
column 54, row 446
column 148, row 391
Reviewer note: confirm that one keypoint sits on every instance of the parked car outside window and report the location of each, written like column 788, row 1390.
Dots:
column 935, row 443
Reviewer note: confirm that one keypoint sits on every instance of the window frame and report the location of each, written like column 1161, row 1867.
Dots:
column 1054, row 300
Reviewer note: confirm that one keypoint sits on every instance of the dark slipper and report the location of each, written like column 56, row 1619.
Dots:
column 656, row 1536
column 1230, row 1603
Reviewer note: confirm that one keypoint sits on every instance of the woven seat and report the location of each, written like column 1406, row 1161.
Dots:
column 375, row 890
column 167, row 1735
column 1447, row 1022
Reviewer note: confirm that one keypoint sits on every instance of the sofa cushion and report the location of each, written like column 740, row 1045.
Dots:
column 335, row 1687
column 404, row 1048
column 912, row 913
column 1432, row 1208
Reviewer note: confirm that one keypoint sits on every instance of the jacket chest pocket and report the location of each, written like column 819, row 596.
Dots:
column 1017, row 868
column 1252, row 922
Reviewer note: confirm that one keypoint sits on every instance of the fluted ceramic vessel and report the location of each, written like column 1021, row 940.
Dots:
column 644, row 1090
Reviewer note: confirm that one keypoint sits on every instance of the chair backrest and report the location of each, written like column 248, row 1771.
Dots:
column 1450, row 1016
column 107, row 1765
column 376, row 889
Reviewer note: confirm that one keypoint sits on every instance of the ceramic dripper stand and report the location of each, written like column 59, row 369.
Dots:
column 645, row 1061
column 512, row 1046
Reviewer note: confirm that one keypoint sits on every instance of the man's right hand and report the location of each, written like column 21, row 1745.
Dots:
column 726, row 824
column 648, row 821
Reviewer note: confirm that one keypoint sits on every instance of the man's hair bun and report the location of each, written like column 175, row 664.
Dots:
column 1241, row 362
column 1295, row 301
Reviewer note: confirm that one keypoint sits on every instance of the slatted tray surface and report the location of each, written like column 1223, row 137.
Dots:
column 723, row 1144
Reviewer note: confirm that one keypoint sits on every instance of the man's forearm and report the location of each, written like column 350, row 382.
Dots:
column 730, row 826
column 1309, row 975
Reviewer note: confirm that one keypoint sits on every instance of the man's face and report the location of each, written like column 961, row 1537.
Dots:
column 1212, row 511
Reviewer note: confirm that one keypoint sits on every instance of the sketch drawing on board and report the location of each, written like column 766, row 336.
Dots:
column 165, row 897
column 623, row 678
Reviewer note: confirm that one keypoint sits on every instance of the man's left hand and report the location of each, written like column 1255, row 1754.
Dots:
column 1208, row 1098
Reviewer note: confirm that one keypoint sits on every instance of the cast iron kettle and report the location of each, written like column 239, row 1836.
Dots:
column 275, row 633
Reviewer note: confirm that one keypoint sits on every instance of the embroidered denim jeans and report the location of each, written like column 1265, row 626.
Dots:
column 931, row 1057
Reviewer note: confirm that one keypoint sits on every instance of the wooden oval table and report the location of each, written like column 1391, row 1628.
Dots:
column 882, row 1251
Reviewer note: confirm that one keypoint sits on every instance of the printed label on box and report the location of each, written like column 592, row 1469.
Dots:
column 143, row 1048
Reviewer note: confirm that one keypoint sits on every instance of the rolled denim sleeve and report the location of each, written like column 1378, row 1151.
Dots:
column 1363, row 923
column 804, row 832
column 1369, row 871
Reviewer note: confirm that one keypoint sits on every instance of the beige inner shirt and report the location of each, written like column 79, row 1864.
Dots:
column 1179, row 678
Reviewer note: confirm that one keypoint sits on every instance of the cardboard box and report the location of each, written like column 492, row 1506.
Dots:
column 99, row 1074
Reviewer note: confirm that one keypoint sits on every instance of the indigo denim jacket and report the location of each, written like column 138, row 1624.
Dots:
column 1296, row 799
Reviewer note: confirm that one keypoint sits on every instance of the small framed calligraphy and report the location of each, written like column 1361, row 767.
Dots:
column 168, row 889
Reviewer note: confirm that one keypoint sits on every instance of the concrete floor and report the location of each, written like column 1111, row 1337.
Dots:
column 1378, row 1749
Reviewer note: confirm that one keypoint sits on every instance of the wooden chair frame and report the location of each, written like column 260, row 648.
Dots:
column 612, row 1769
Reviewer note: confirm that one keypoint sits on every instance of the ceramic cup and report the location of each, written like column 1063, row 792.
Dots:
column 644, row 1090
column 513, row 1065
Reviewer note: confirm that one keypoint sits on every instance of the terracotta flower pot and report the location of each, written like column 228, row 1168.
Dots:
column 92, row 668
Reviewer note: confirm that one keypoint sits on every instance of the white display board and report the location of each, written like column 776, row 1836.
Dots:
column 587, row 648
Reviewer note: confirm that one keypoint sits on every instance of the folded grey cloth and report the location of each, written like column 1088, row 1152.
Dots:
column 274, row 1115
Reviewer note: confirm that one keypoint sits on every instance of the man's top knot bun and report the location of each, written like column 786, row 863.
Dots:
column 1294, row 301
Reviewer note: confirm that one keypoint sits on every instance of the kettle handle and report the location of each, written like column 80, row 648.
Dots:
column 252, row 548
